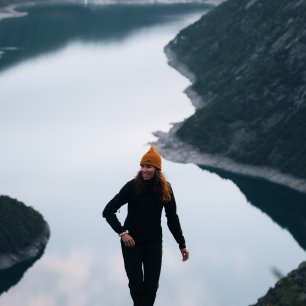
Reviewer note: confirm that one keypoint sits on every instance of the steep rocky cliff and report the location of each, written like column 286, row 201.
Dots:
column 247, row 62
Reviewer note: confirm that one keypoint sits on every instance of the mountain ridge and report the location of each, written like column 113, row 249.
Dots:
column 247, row 62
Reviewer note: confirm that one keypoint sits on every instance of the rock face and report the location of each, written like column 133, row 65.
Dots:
column 289, row 290
column 246, row 60
column 23, row 237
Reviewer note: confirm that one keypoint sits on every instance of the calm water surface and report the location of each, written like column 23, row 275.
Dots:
column 75, row 120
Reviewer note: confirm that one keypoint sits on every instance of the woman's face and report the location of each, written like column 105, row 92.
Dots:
column 147, row 172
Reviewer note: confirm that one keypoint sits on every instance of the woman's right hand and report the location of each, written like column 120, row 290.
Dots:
column 128, row 240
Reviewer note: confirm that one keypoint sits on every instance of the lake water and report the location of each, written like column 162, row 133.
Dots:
column 81, row 91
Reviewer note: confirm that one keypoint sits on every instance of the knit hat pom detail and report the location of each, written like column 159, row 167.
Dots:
column 152, row 158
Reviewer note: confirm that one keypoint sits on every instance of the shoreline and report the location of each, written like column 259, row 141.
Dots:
column 173, row 149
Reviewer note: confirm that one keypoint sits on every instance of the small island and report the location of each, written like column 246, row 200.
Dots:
column 23, row 237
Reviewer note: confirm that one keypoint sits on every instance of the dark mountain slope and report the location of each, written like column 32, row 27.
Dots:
column 249, row 60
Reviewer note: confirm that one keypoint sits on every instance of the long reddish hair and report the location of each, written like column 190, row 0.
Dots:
column 161, row 186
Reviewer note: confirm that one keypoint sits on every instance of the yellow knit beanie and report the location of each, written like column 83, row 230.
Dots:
column 152, row 158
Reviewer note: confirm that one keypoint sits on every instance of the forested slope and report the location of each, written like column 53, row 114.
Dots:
column 249, row 62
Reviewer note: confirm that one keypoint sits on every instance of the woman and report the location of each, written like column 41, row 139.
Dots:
column 141, row 233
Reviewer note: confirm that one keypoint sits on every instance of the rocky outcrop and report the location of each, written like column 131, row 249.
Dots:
column 289, row 290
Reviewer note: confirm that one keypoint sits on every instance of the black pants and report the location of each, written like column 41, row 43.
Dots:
column 142, row 266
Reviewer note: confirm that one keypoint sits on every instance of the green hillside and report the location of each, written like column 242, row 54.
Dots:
column 249, row 59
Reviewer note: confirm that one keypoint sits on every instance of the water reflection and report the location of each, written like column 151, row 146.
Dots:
column 49, row 27
column 285, row 206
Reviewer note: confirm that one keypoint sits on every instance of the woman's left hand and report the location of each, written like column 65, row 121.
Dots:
column 185, row 254
column 128, row 240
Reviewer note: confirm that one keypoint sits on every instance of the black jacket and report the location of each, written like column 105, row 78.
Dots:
column 143, row 219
